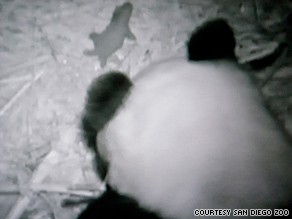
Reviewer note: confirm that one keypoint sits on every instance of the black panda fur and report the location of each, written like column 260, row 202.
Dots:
column 213, row 40
column 113, row 205
column 218, row 145
column 104, row 96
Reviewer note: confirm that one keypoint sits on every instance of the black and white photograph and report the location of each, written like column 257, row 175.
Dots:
column 145, row 109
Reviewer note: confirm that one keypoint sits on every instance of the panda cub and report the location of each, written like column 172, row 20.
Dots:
column 185, row 135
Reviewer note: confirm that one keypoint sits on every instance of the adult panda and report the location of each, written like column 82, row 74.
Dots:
column 185, row 135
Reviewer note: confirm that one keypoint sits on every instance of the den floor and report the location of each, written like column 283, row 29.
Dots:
column 45, row 170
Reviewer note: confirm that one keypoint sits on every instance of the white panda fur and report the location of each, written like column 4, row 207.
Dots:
column 185, row 135
column 195, row 135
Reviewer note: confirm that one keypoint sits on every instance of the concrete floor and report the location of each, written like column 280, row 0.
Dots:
column 44, row 76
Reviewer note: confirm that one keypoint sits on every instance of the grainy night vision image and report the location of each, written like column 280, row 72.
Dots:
column 169, row 109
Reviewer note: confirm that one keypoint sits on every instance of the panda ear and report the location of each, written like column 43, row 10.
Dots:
column 213, row 40
column 105, row 95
